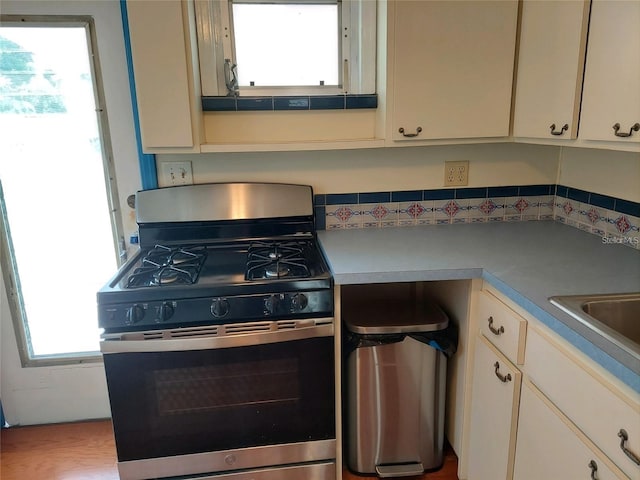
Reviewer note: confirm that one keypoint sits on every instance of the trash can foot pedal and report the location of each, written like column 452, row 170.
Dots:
column 400, row 470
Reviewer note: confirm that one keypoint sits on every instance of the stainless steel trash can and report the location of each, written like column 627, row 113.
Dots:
column 396, row 383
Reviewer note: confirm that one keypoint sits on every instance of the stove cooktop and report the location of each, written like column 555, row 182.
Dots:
column 231, row 282
column 219, row 253
column 243, row 266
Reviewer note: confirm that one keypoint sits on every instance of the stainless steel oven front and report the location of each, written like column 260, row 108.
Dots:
column 248, row 401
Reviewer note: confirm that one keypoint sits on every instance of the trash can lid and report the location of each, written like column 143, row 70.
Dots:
column 393, row 315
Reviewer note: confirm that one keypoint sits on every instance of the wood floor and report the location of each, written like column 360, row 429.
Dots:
column 86, row 451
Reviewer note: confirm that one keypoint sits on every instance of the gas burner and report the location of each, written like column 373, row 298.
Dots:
column 165, row 265
column 272, row 260
column 276, row 270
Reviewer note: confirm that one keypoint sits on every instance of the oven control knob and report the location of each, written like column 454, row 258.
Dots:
column 271, row 304
column 299, row 302
column 219, row 307
column 164, row 312
column 134, row 314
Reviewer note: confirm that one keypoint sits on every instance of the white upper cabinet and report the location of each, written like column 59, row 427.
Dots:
column 553, row 38
column 167, row 106
column 451, row 68
column 611, row 95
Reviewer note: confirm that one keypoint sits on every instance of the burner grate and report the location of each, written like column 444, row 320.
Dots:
column 273, row 260
column 167, row 266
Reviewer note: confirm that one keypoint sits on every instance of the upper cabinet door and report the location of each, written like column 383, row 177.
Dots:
column 452, row 68
column 162, row 78
column 553, row 37
column 611, row 95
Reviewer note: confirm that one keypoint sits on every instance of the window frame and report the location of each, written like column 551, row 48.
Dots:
column 8, row 263
column 357, row 49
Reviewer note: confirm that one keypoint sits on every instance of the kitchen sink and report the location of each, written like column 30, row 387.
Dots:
column 615, row 316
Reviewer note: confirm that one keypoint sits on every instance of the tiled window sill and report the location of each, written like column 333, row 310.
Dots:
column 298, row 102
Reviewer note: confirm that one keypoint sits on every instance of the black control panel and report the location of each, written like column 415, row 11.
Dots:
column 214, row 310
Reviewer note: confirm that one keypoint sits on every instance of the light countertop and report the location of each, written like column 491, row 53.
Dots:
column 526, row 261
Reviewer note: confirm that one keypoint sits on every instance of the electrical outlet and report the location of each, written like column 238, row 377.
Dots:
column 456, row 173
column 177, row 173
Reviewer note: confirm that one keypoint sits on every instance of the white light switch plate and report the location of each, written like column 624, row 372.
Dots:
column 177, row 173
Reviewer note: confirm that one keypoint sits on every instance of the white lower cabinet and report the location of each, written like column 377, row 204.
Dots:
column 586, row 398
column 550, row 448
column 494, row 412
column 539, row 408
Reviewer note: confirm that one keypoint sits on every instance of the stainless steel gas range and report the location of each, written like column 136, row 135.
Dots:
column 218, row 338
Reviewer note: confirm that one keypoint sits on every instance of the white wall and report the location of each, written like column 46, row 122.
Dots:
column 601, row 171
column 56, row 394
column 380, row 169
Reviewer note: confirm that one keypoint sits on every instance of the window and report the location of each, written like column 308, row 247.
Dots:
column 60, row 219
column 286, row 47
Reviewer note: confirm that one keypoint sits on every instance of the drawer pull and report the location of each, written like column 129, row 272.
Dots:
column 594, row 469
column 503, row 378
column 496, row 331
column 624, row 437
column 634, row 128
column 418, row 130
column 564, row 128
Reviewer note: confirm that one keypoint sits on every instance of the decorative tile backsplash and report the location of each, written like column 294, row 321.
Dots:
column 615, row 220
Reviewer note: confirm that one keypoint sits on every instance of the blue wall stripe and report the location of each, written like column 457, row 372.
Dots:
column 341, row 198
column 479, row 192
column 406, row 196
column 562, row 191
column 627, row 207
column 147, row 162
column 374, row 197
column 602, row 201
column 578, row 195
column 439, row 194
column 510, row 191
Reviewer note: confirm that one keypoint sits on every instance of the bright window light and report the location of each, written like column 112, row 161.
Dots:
column 286, row 44
column 53, row 185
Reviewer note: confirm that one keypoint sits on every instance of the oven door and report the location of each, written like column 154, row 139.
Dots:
column 215, row 399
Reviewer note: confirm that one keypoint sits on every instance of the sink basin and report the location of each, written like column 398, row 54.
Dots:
column 615, row 316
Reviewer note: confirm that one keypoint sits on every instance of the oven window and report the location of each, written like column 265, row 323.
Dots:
column 176, row 403
column 185, row 391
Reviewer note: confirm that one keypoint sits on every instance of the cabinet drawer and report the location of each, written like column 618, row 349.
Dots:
column 595, row 406
column 502, row 326
column 548, row 448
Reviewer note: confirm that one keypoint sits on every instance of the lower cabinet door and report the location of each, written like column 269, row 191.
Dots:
column 494, row 414
column 547, row 448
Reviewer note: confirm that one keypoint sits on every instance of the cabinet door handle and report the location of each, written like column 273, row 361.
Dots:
column 503, row 378
column 624, row 437
column 594, row 469
column 418, row 130
column 564, row 128
column 634, row 128
column 496, row 331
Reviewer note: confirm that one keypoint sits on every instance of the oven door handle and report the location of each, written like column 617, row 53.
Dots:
column 202, row 339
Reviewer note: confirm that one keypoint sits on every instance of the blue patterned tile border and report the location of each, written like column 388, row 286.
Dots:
column 615, row 220
column 301, row 102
